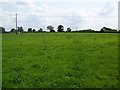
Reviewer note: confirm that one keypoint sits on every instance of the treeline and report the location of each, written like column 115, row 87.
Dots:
column 60, row 28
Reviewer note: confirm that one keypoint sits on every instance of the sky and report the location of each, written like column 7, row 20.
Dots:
column 76, row 14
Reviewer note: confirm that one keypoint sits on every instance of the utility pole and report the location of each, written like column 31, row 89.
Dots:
column 119, row 16
column 76, row 28
column 44, row 28
column 16, row 23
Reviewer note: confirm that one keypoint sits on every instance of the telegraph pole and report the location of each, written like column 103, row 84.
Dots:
column 76, row 28
column 119, row 16
column 16, row 23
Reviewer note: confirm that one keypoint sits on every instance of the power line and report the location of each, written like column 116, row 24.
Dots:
column 59, row 16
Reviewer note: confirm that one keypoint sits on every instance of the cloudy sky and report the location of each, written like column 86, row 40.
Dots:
column 77, row 14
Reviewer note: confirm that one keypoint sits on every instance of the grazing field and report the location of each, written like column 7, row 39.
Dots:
column 60, row 60
column 0, row 61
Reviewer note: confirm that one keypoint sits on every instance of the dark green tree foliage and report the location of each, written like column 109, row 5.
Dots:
column 60, row 28
column 34, row 30
column 68, row 29
column 101, row 30
column 52, row 31
column 20, row 29
column 13, row 30
column 40, row 30
column 30, row 30
column 51, row 28
column 105, row 29
column 2, row 30
column 87, row 30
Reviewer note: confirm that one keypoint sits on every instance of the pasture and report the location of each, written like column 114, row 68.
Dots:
column 60, row 60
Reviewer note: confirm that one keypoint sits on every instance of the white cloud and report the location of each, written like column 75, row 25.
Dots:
column 35, row 14
column 107, row 9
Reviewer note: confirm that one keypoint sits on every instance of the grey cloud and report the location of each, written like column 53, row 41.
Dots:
column 21, row 3
column 106, row 9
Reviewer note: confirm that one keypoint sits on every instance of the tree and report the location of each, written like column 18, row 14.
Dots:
column 52, row 31
column 34, row 30
column 60, row 28
column 40, row 30
column 2, row 30
column 20, row 29
column 51, row 28
column 108, row 29
column 102, row 30
column 29, row 29
column 68, row 29
column 13, row 30
column 105, row 29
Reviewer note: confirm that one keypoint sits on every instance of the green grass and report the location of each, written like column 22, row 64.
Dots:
column 60, row 60
column 0, row 60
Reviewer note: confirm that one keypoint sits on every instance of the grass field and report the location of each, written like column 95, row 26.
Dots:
column 0, row 61
column 60, row 60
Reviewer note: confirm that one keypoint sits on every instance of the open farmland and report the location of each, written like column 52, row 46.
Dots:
column 60, row 60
